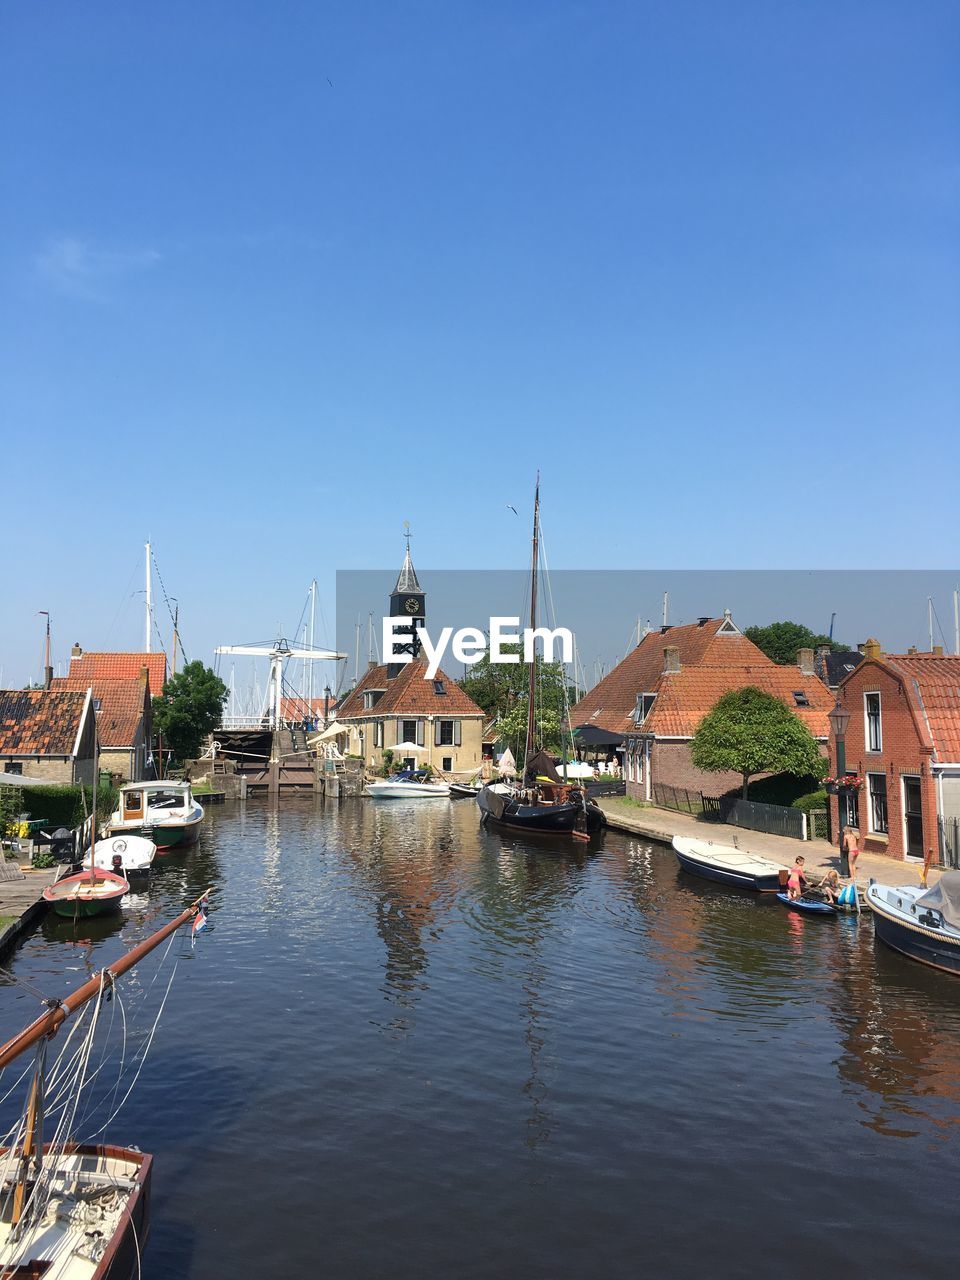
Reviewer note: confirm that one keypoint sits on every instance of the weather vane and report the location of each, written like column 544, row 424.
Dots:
column 406, row 532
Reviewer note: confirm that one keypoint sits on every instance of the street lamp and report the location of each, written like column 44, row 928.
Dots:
column 839, row 718
column 326, row 705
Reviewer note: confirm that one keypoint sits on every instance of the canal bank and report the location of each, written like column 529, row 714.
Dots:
column 820, row 857
column 22, row 905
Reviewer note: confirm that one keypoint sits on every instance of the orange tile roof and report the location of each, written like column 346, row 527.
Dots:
column 120, row 666
column 121, row 708
column 408, row 694
column 610, row 704
column 932, row 682
column 685, row 697
column 40, row 722
column 295, row 708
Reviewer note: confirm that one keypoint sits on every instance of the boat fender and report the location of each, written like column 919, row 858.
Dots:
column 117, row 863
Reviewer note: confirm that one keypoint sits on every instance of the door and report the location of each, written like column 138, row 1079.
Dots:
column 913, row 818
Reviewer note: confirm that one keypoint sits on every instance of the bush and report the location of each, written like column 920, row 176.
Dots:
column 60, row 806
column 780, row 788
column 812, row 800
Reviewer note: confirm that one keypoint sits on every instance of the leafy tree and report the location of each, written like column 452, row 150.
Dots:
column 782, row 641
column 750, row 732
column 189, row 708
column 501, row 690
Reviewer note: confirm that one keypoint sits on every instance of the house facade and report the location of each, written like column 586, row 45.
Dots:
column 903, row 740
column 395, row 704
column 49, row 734
column 656, row 698
column 123, row 685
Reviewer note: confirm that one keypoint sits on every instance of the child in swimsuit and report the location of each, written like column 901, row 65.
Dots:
column 829, row 886
column 795, row 881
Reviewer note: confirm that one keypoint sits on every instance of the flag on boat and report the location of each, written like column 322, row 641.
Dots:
column 200, row 921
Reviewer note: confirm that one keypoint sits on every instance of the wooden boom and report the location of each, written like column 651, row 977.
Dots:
column 50, row 1022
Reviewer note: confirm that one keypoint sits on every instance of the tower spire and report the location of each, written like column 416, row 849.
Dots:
column 407, row 580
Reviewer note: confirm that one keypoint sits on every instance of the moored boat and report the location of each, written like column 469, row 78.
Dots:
column 810, row 906
column 87, row 893
column 923, row 924
column 727, row 865
column 72, row 1211
column 165, row 812
column 406, row 787
column 135, row 854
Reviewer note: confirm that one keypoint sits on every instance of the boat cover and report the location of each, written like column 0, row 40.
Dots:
column 494, row 802
column 540, row 765
column 944, row 897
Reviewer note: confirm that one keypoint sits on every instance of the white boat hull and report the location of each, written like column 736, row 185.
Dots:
column 387, row 790
column 137, row 853
column 727, row 865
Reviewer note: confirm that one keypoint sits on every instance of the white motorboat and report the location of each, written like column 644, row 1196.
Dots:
column 164, row 812
column 727, row 865
column 136, row 854
column 923, row 924
column 406, row 789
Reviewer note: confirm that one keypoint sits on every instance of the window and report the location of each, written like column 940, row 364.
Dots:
column 871, row 711
column 97, row 704
column 645, row 703
column 371, row 697
column 378, row 733
column 877, row 783
column 438, row 687
column 409, row 731
column 445, row 731
column 850, row 809
column 800, row 699
column 447, row 764
column 13, row 766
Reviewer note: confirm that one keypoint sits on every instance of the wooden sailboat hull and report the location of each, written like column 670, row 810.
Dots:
column 121, row 1259
column 78, row 897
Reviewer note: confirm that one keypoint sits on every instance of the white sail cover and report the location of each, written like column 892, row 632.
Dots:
column 944, row 897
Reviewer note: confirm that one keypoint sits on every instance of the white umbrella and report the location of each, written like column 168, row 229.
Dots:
column 19, row 780
column 408, row 748
column 332, row 731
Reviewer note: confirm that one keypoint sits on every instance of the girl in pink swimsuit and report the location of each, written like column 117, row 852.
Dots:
column 795, row 881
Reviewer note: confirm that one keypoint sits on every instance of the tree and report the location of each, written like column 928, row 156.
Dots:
column 189, row 708
column 782, row 641
column 750, row 732
column 501, row 690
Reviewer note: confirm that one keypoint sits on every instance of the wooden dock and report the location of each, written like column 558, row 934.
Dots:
column 21, row 899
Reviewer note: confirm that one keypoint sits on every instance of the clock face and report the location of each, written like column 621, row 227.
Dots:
column 411, row 605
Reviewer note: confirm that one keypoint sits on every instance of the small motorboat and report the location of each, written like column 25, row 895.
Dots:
column 124, row 855
column 412, row 784
column 87, row 893
column 727, row 865
column 923, row 924
column 165, row 812
column 812, row 906
column 464, row 790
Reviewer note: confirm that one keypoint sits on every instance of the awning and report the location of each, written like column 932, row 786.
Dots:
column 18, row 780
column 591, row 735
column 332, row 731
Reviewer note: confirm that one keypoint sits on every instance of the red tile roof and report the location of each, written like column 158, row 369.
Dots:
column 714, row 659
column 40, row 722
column 120, row 666
column 295, row 708
column 932, row 682
column 121, row 708
column 408, row 694
column 685, row 697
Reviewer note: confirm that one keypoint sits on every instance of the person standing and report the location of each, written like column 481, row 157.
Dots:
column 851, row 847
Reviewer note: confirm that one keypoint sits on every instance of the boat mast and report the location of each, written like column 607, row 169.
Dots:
column 50, row 1022
column 533, row 622
column 148, row 622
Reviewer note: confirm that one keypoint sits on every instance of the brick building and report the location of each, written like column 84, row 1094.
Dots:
column 48, row 733
column 903, row 739
column 661, row 691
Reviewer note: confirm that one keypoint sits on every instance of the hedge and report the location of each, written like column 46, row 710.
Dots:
column 62, row 806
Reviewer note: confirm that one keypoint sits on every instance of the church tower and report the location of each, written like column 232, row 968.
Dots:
column 407, row 601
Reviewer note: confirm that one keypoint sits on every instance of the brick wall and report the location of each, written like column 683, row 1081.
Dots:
column 903, row 751
column 49, row 768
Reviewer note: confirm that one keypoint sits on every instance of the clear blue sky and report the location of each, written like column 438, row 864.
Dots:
column 302, row 271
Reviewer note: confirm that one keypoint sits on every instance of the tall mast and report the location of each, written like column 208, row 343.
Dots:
column 47, row 668
column 956, row 622
column 930, row 621
column 176, row 621
column 148, row 622
column 533, row 622
column 313, row 624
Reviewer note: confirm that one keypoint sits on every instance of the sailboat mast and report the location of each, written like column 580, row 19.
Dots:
column 531, row 711
column 148, row 621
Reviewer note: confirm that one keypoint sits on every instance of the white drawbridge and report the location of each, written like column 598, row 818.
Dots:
column 271, row 712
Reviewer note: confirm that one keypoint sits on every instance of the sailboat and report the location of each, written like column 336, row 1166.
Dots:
column 92, row 891
column 68, row 1210
column 544, row 803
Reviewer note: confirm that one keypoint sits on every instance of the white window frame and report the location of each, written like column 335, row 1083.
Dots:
column 877, row 750
column 872, row 830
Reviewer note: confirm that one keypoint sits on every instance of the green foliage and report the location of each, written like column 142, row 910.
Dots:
column 65, row 806
column 782, row 641
column 781, row 788
column 387, row 766
column 501, row 690
column 189, row 708
column 512, row 729
column 812, row 800
column 750, row 732
column 43, row 859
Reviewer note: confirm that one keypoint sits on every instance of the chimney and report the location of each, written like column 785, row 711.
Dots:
column 805, row 661
column 937, row 651
column 671, row 659
column 702, row 622
column 76, row 651
column 912, row 649
column 144, row 675
column 870, row 648
column 823, row 651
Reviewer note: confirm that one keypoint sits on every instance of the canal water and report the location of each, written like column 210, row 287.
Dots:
column 409, row 1047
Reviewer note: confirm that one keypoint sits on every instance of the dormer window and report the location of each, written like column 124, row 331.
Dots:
column 97, row 704
column 800, row 699
column 438, row 687
column 371, row 697
column 645, row 703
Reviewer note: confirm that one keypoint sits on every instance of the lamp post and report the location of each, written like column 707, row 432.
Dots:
column 326, row 705
column 839, row 718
